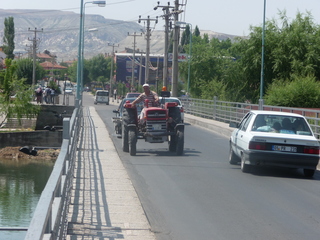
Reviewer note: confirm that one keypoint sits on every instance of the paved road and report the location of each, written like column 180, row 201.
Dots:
column 195, row 196
column 200, row 196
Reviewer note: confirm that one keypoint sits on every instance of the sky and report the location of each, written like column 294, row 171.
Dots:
column 223, row 16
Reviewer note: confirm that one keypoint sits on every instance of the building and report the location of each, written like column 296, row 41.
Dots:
column 123, row 74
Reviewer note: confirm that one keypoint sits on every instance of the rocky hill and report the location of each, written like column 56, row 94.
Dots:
column 61, row 29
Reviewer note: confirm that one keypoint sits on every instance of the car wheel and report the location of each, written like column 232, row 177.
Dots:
column 233, row 158
column 309, row 172
column 244, row 167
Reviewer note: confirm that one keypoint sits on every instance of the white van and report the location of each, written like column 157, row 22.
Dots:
column 101, row 96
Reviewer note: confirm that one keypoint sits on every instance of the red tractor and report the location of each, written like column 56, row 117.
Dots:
column 157, row 125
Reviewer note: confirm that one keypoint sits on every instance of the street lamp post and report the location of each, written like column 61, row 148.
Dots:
column 262, row 57
column 79, row 66
column 189, row 59
column 80, row 47
column 64, row 89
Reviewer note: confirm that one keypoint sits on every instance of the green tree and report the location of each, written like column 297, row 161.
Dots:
column 98, row 66
column 300, row 92
column 291, row 48
column 8, row 38
column 103, row 80
column 24, row 70
column 209, row 60
column 21, row 106
column 196, row 31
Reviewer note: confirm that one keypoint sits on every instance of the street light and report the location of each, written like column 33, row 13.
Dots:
column 80, row 47
column 262, row 57
column 190, row 52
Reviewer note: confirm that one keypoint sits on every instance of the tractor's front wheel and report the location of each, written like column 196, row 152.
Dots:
column 172, row 143
column 179, row 142
column 132, row 142
column 125, row 139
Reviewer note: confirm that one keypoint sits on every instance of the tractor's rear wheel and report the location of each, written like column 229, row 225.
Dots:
column 175, row 114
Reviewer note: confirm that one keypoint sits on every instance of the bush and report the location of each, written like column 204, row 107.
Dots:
column 303, row 92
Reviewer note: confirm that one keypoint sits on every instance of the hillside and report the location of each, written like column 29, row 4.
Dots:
column 61, row 29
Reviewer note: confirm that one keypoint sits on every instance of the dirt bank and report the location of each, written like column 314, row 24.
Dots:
column 15, row 154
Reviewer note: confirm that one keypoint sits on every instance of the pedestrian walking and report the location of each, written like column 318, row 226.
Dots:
column 39, row 95
column 52, row 95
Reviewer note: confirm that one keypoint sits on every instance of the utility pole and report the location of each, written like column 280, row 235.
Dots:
column 174, row 88
column 29, row 50
column 148, row 34
column 111, row 70
column 134, row 56
column 34, row 53
column 140, row 70
column 166, row 17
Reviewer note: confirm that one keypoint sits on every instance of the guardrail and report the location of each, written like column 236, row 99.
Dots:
column 234, row 111
column 50, row 217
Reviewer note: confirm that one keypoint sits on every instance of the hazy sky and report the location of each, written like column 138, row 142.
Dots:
column 224, row 16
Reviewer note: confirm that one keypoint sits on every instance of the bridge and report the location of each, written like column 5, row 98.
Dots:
column 89, row 194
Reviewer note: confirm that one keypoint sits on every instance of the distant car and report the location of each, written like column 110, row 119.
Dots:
column 173, row 99
column 269, row 138
column 86, row 89
column 68, row 90
column 101, row 96
column 132, row 95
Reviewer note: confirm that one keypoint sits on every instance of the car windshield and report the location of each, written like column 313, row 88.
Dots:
column 139, row 106
column 102, row 93
column 131, row 95
column 281, row 124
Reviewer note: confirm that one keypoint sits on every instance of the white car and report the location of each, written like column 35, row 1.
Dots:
column 164, row 100
column 68, row 90
column 101, row 96
column 274, row 139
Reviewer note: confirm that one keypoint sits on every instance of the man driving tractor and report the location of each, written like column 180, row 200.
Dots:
column 150, row 98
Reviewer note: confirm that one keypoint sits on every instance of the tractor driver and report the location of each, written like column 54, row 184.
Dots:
column 151, row 96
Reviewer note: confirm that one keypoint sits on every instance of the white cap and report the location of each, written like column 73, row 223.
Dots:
column 145, row 85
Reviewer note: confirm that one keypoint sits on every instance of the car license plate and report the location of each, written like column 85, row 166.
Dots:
column 284, row 148
column 156, row 127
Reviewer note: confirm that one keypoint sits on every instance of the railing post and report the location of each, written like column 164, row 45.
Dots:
column 215, row 99
column 260, row 104
column 66, row 128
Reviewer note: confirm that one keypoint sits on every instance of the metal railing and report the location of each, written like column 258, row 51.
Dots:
column 234, row 111
column 50, row 217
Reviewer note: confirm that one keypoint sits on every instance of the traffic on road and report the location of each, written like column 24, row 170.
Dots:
column 199, row 195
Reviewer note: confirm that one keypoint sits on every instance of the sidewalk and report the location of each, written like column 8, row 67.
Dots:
column 104, row 203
